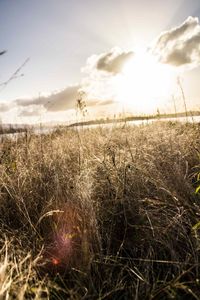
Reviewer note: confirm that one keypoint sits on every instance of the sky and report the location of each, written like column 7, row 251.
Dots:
column 124, row 55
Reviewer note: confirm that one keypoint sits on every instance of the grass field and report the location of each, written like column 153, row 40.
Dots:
column 101, row 214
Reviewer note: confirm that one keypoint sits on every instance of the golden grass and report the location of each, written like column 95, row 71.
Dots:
column 101, row 213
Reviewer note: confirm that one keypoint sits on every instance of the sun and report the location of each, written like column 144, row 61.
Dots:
column 145, row 85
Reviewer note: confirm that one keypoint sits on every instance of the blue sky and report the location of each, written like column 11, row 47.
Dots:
column 59, row 35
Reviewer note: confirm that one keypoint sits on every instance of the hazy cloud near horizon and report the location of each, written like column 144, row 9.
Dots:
column 32, row 111
column 4, row 107
column 180, row 46
column 57, row 102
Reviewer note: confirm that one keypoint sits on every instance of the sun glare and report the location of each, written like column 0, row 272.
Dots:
column 145, row 84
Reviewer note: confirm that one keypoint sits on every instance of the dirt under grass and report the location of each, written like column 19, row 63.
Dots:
column 105, row 213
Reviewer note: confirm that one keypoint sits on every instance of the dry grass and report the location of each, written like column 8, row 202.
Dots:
column 101, row 214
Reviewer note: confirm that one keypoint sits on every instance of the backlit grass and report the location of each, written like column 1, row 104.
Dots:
column 105, row 213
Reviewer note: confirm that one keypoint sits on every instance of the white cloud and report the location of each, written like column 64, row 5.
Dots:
column 100, row 73
column 111, row 62
column 180, row 46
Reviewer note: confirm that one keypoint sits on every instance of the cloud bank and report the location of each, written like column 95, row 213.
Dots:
column 56, row 102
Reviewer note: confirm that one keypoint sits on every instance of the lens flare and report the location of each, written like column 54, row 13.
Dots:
column 55, row 261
